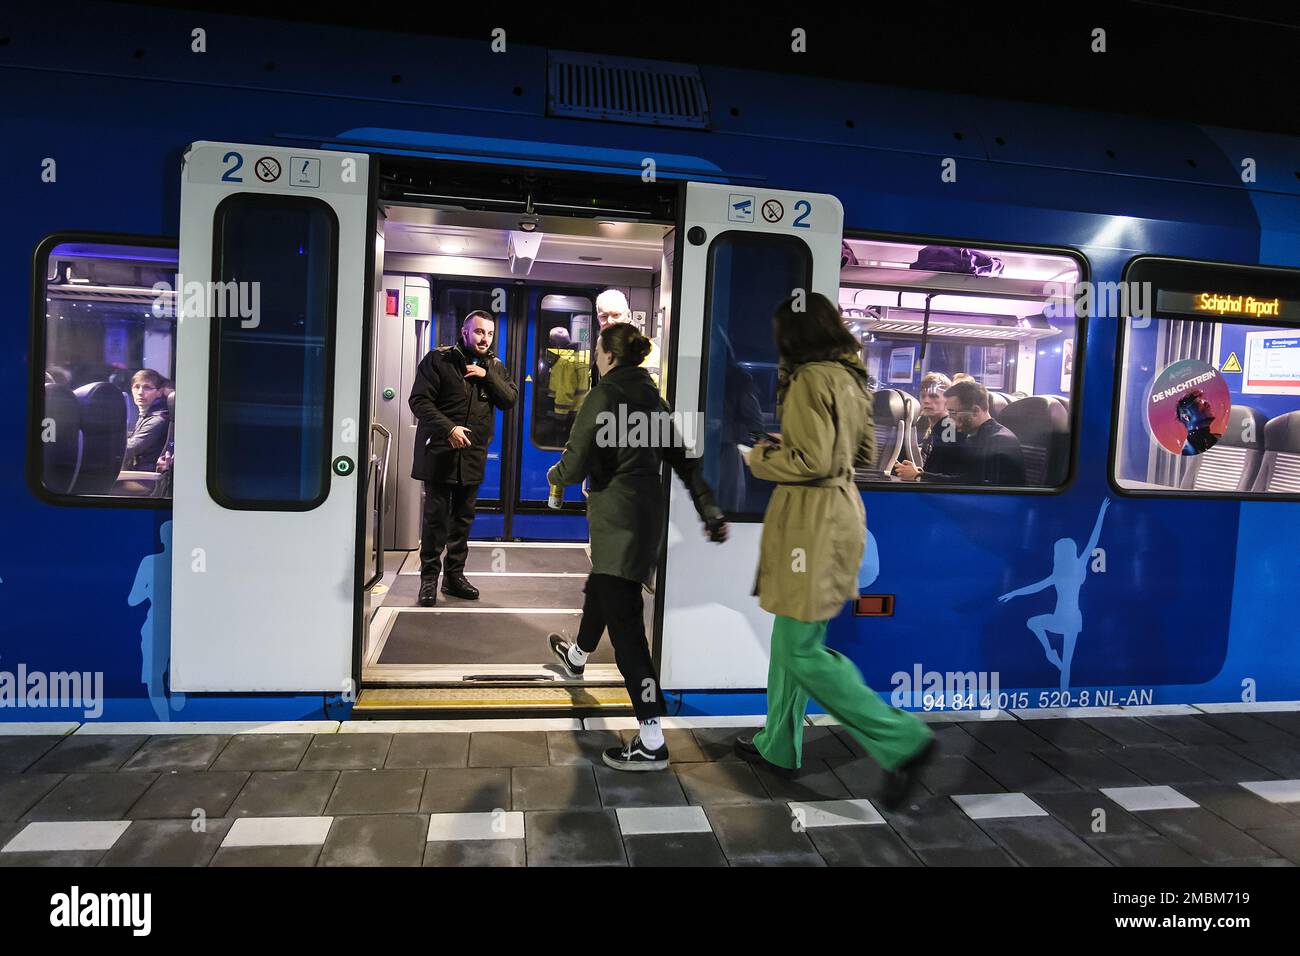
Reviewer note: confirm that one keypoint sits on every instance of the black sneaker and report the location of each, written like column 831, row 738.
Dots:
column 428, row 592
column 636, row 756
column 746, row 750
column 560, row 648
column 900, row 783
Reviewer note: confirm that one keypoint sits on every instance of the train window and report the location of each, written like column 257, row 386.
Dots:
column 749, row 275
column 971, row 354
column 562, row 374
column 269, row 426
column 455, row 302
column 105, row 345
column 1208, row 389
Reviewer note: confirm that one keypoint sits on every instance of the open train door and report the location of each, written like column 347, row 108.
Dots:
column 269, row 418
column 744, row 250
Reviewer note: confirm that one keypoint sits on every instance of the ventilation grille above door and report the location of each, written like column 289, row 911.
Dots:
column 626, row 90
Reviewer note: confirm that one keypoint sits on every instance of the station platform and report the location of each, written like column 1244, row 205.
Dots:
column 1167, row 786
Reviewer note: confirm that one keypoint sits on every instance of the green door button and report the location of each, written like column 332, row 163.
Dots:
column 389, row 394
column 343, row 466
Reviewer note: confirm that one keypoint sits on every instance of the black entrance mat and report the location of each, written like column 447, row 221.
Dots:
column 495, row 592
column 489, row 557
column 479, row 637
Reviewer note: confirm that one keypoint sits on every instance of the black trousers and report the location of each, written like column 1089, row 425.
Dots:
column 448, row 514
column 616, row 603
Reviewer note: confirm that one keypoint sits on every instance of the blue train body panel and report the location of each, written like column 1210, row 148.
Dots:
column 1189, row 607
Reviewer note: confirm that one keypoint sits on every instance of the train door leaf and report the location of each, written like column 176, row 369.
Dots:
column 271, row 433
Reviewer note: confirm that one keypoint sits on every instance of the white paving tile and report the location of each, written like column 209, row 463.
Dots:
column 53, row 728
column 1147, row 710
column 835, row 813
column 1257, row 707
column 278, row 831
column 69, row 835
column 1276, row 791
column 994, row 806
column 929, row 716
column 465, row 726
column 495, row 825
column 634, row 821
column 1138, row 799
column 677, row 723
column 211, row 727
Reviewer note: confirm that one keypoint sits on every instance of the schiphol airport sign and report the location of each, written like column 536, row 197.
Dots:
column 1227, row 303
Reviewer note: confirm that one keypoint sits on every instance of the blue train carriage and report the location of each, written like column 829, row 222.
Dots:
column 255, row 554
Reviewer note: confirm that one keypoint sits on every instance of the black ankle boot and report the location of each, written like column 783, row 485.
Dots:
column 428, row 592
column 457, row 586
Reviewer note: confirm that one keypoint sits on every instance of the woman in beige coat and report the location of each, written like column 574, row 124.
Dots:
column 813, row 535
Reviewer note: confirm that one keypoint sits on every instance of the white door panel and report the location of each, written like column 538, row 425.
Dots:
column 264, row 600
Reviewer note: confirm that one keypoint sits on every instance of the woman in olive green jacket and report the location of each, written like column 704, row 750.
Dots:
column 814, row 531
column 625, row 516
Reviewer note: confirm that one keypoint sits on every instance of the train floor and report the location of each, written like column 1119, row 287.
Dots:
column 1169, row 786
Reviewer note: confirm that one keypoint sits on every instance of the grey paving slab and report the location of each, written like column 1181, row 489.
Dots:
column 573, row 838
column 943, row 776
column 263, row 752
column 92, row 796
column 475, row 853
column 278, row 856
column 1282, row 759
column 723, row 781
column 1128, row 732
column 1283, row 840
column 1152, row 850
column 396, row 839
column 1003, row 735
column 1288, row 721
column 167, row 843
column 1088, row 813
column 862, row 776
column 953, row 741
column 1237, row 805
column 8, row 830
column 761, row 834
column 509, row 748
column 1250, row 729
column 556, row 788
column 422, row 751
column 1090, row 770
column 1221, row 763
column 682, row 745
column 19, row 753
column 177, row 752
column 19, row 792
column 1158, row 765
column 674, row 849
column 91, row 753
column 862, row 846
column 583, row 747
column 816, row 781
column 990, row 855
column 1068, row 733
column 822, row 743
column 346, row 752
column 926, row 823
column 285, row 793
column 623, row 789
column 719, row 743
column 466, row 790
column 1041, row 841
column 54, row 858
column 1191, row 730
column 376, row 791
column 1206, row 836
column 179, row 795
column 1021, row 770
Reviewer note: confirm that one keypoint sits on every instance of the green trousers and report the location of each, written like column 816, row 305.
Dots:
column 802, row 666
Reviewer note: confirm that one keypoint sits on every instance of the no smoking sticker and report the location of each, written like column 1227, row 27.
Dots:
column 773, row 211
column 267, row 169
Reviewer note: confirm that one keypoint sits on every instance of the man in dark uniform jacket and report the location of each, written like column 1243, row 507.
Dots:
column 988, row 453
column 457, row 390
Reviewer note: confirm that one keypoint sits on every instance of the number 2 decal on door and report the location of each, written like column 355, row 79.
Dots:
column 229, row 175
column 804, row 208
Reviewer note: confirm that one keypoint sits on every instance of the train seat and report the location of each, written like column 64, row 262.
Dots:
column 103, row 437
column 62, row 452
column 998, row 403
column 911, row 449
column 1279, row 467
column 1232, row 464
column 1043, row 429
column 890, row 420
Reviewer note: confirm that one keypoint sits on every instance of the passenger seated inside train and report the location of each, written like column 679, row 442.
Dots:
column 148, row 436
column 989, row 454
column 936, row 432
